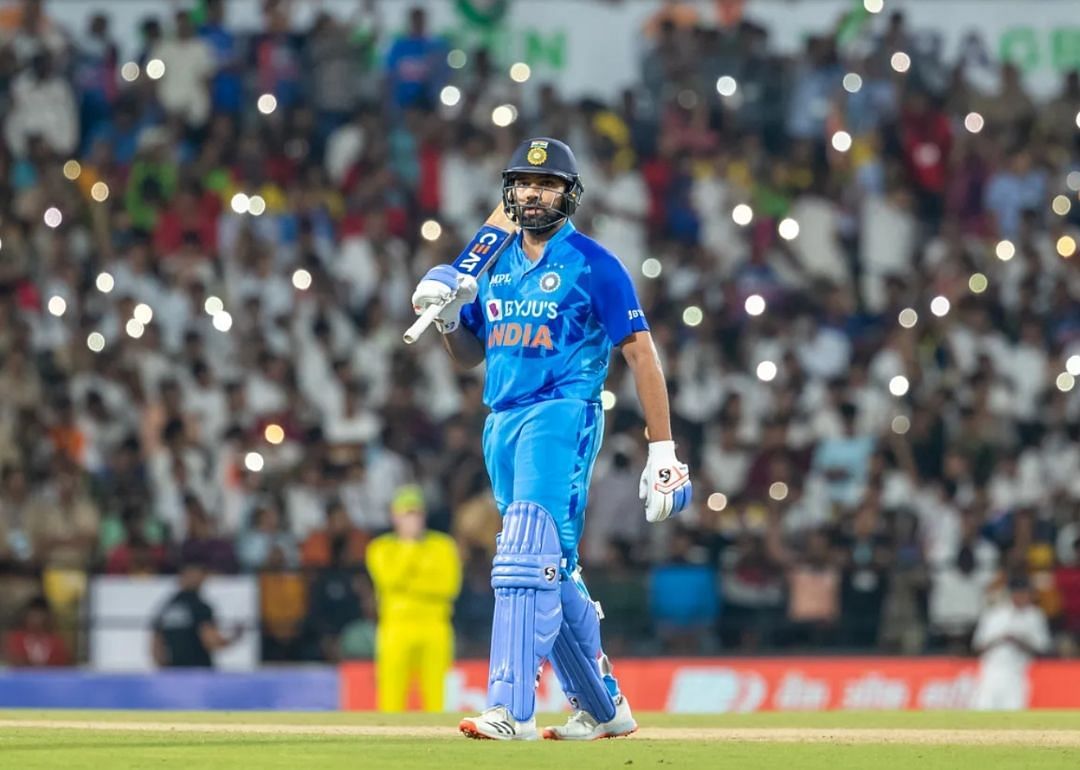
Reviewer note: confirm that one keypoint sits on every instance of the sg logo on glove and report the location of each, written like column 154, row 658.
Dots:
column 665, row 483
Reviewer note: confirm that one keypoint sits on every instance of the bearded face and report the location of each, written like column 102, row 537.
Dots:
column 537, row 201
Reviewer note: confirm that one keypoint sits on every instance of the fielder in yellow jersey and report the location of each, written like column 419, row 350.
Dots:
column 417, row 577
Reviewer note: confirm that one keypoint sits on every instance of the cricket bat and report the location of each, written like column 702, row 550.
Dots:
column 489, row 242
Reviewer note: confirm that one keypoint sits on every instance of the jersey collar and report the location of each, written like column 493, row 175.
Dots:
column 563, row 233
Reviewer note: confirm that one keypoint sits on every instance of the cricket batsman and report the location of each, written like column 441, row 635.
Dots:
column 545, row 317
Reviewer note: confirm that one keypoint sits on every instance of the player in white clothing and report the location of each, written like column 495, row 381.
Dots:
column 1008, row 636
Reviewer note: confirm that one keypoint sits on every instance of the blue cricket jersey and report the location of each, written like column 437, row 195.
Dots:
column 548, row 327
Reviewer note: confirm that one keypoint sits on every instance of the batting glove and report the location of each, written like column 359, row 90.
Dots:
column 665, row 483
column 444, row 285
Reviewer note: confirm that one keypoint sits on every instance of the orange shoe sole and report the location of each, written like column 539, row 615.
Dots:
column 468, row 729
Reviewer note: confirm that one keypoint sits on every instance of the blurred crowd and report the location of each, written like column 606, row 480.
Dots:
column 857, row 262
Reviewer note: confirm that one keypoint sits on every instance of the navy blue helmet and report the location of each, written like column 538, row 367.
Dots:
column 547, row 157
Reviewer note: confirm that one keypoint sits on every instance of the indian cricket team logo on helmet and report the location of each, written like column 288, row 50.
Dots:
column 549, row 281
column 537, row 154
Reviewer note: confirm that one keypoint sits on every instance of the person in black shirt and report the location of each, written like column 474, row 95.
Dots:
column 185, row 633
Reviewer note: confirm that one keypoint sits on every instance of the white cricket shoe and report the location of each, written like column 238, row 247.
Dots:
column 582, row 726
column 498, row 724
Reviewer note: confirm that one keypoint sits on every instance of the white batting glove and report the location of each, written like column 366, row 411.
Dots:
column 444, row 285
column 665, row 483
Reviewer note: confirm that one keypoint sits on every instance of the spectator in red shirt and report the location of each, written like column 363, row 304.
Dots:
column 926, row 138
column 35, row 642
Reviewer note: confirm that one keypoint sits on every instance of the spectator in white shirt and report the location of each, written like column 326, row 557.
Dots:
column 184, row 87
column 42, row 104
column 1008, row 636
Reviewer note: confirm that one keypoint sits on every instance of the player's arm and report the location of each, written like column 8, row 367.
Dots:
column 665, row 482
column 644, row 362
column 464, row 347
column 209, row 634
column 213, row 639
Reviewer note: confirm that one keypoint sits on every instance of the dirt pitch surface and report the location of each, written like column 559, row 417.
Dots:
column 902, row 736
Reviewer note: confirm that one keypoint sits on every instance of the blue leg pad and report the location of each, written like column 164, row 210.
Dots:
column 528, row 606
column 578, row 660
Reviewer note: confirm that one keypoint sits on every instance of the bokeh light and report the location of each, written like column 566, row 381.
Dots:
column 900, row 61
column 430, row 230
column 53, row 217
column 143, row 313
column 520, row 72
column 1061, row 205
column 939, row 306
column 742, row 215
column 899, row 385
column 213, row 305
column 134, row 328
column 778, row 490
column 1005, row 250
column 72, row 170
column 99, row 191
column 726, row 85
column 1066, row 246
column 301, row 279
column 651, row 268
column 788, row 229
column 974, row 122
column 766, row 371
column 900, row 424
column 240, row 203
column 222, row 321
column 130, row 72
column 607, row 400
column 841, row 141
column 57, row 305
column 852, row 82
column 96, row 342
column 717, row 501
column 692, row 316
column 256, row 205
column 267, row 103
column 1065, row 382
column 155, row 69
column 978, row 283
column 457, row 59
column 104, row 282
column 450, row 96
column 254, row 462
column 754, row 305
column 908, row 317
column 274, row 433
column 504, row 115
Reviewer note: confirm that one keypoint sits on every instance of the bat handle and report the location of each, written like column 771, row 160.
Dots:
column 412, row 334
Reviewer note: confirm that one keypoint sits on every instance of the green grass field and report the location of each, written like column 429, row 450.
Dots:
column 71, row 740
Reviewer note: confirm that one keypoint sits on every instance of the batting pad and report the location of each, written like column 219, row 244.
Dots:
column 576, row 656
column 528, row 606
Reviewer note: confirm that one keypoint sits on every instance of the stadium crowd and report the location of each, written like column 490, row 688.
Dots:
column 858, row 263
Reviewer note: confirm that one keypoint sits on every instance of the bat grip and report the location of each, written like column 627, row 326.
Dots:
column 412, row 334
